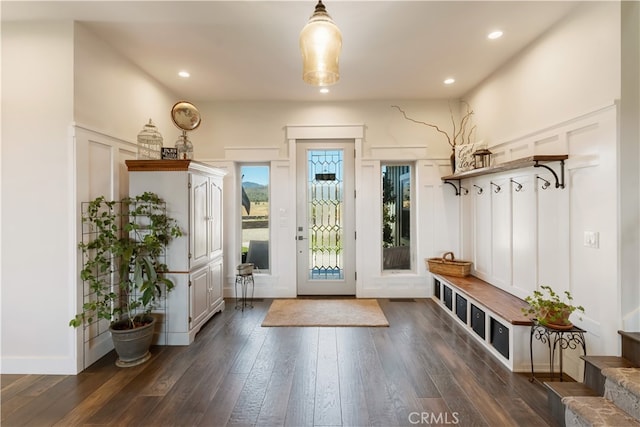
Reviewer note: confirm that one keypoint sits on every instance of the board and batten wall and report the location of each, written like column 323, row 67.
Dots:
column 559, row 96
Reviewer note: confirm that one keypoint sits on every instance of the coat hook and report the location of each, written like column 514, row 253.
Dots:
column 464, row 189
column 546, row 183
column 479, row 191
column 497, row 190
column 518, row 185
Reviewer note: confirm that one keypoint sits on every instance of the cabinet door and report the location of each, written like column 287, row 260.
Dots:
column 199, row 216
column 215, row 217
column 198, row 296
column 215, row 285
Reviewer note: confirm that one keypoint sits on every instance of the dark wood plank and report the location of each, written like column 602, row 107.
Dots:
column 238, row 373
column 275, row 403
column 327, row 410
column 301, row 402
column 219, row 411
column 352, row 393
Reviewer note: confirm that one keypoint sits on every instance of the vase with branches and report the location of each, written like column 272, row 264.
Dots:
column 461, row 131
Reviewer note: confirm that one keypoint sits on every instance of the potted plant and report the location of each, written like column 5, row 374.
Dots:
column 549, row 308
column 122, row 251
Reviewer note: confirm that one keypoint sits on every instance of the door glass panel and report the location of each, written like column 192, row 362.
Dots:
column 325, row 204
column 396, row 217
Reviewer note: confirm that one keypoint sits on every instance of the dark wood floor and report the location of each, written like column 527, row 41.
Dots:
column 422, row 370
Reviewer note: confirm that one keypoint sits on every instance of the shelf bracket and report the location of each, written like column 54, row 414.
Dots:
column 559, row 182
column 457, row 188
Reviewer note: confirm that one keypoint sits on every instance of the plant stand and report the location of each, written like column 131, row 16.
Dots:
column 556, row 339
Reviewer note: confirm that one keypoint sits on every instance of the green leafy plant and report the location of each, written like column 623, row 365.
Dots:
column 550, row 308
column 122, row 258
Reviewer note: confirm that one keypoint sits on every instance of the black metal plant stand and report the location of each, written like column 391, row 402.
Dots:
column 560, row 339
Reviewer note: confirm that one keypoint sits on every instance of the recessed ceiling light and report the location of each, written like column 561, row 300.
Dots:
column 449, row 81
column 324, row 90
column 184, row 74
column 495, row 35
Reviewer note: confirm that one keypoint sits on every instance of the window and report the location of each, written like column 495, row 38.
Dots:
column 396, row 217
column 255, row 215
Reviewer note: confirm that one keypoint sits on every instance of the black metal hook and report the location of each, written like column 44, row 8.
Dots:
column 518, row 185
column 480, row 190
column 498, row 188
column 546, row 183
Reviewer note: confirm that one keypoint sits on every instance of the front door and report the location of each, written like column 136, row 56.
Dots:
column 325, row 218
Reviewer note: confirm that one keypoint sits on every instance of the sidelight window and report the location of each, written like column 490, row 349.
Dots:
column 396, row 216
column 255, row 215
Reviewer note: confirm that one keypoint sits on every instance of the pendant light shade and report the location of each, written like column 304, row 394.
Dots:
column 320, row 45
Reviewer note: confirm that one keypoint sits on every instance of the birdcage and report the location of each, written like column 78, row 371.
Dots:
column 149, row 142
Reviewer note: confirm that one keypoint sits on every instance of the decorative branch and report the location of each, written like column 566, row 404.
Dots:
column 426, row 124
column 460, row 135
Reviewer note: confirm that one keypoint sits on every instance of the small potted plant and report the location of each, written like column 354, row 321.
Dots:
column 549, row 308
column 123, row 250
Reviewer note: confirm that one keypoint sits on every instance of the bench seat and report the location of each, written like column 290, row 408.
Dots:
column 493, row 317
column 507, row 306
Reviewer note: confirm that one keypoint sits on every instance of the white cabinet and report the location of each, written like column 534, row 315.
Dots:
column 193, row 193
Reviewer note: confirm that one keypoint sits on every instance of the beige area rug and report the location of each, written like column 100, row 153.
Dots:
column 325, row 312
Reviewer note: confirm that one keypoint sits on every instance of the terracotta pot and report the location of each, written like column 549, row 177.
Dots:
column 557, row 318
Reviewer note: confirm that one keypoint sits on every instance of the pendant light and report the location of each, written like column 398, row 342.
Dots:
column 320, row 45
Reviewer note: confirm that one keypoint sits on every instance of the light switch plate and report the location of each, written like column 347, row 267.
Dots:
column 591, row 239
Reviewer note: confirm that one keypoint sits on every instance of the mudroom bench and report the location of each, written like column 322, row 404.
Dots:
column 493, row 317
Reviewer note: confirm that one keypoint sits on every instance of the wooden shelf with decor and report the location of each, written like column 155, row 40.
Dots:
column 525, row 162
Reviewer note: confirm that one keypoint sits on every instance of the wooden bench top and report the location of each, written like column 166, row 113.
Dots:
column 507, row 306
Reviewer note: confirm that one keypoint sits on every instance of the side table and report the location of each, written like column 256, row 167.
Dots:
column 559, row 339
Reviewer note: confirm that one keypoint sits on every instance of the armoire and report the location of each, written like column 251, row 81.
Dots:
column 193, row 195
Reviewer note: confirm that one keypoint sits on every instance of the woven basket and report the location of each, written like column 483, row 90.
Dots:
column 449, row 267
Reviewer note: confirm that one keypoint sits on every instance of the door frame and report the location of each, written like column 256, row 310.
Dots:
column 304, row 133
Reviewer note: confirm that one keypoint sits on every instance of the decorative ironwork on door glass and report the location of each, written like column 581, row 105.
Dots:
column 325, row 200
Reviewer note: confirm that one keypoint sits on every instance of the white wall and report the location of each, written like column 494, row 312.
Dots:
column 52, row 75
column 572, row 70
column 235, row 124
column 558, row 96
column 37, row 172
column 114, row 96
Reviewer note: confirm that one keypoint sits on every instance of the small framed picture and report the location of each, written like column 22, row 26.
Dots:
column 169, row 153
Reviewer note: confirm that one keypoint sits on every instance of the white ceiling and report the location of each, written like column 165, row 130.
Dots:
column 248, row 50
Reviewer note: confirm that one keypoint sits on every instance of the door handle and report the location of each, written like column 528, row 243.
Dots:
column 301, row 238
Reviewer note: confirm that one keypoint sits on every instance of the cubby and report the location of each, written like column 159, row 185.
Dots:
column 478, row 321
column 448, row 297
column 500, row 337
column 461, row 307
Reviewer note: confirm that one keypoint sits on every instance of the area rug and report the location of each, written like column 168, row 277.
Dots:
column 325, row 312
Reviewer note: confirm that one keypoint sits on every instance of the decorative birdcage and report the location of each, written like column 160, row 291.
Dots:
column 149, row 142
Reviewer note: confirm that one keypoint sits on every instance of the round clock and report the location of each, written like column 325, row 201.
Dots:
column 185, row 115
